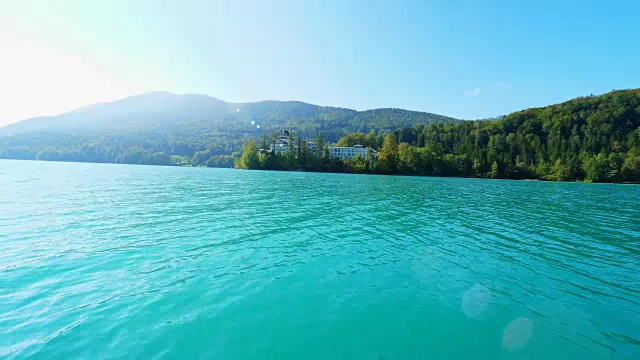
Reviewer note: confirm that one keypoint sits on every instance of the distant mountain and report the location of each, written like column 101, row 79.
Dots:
column 147, row 111
column 166, row 128
column 594, row 138
column 163, row 110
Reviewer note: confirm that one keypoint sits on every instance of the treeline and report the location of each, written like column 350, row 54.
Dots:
column 167, row 129
column 299, row 157
column 586, row 139
column 185, row 146
column 175, row 149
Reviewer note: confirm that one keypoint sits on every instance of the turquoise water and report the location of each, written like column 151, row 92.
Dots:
column 117, row 261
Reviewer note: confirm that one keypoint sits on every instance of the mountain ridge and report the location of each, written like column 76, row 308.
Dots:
column 154, row 107
column 204, row 131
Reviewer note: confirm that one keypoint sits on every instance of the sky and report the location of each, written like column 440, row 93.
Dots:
column 466, row 59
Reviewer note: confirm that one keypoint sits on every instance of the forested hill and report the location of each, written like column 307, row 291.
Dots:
column 165, row 128
column 594, row 138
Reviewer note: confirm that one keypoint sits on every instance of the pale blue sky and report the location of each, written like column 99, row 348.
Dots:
column 467, row 59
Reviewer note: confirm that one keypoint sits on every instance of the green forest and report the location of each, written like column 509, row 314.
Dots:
column 594, row 139
column 185, row 130
column 184, row 147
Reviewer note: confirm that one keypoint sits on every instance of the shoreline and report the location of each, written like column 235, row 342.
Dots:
column 328, row 172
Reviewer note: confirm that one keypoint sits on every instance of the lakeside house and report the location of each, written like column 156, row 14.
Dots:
column 280, row 146
column 351, row 152
column 311, row 145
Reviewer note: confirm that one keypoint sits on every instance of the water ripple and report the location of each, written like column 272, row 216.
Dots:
column 154, row 262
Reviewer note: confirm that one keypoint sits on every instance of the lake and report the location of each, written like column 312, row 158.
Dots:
column 121, row 261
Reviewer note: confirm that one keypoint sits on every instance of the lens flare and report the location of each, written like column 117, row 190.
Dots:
column 475, row 301
column 517, row 334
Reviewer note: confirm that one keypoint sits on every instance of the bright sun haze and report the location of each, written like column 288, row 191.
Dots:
column 466, row 59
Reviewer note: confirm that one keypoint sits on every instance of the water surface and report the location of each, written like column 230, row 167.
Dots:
column 117, row 261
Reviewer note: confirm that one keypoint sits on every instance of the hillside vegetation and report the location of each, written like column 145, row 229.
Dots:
column 594, row 138
column 167, row 129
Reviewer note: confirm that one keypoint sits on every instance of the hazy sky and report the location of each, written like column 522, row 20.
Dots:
column 467, row 59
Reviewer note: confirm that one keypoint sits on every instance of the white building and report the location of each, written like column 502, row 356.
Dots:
column 311, row 146
column 350, row 152
column 280, row 145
